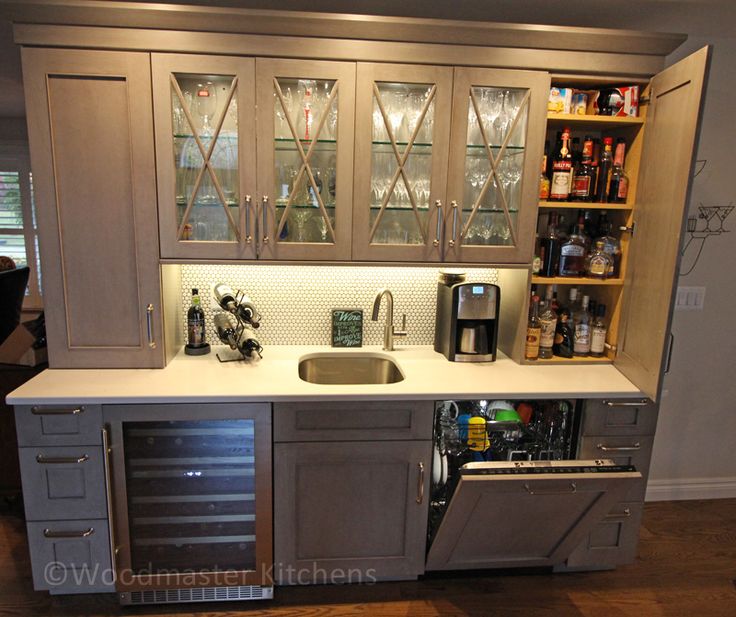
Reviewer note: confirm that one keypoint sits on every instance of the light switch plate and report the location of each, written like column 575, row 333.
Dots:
column 690, row 299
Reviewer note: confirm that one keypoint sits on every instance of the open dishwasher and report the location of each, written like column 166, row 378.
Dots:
column 506, row 488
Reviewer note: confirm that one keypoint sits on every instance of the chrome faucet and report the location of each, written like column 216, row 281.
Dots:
column 389, row 332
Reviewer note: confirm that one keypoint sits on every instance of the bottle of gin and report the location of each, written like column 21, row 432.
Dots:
column 581, row 337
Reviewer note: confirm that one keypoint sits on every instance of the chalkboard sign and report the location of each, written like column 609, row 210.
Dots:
column 347, row 327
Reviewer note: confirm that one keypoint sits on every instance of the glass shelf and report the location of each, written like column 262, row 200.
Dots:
column 305, row 206
column 222, row 136
column 207, row 204
column 493, row 147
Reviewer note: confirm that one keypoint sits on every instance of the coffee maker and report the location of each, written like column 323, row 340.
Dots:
column 466, row 322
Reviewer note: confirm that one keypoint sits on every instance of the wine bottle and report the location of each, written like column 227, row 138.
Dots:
column 195, row 323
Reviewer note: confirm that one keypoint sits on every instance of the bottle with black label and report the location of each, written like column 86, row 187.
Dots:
column 196, row 341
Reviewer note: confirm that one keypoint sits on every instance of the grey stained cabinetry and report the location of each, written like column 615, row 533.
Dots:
column 352, row 506
column 64, row 497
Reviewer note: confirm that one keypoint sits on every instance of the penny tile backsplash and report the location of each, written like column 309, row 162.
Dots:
column 296, row 301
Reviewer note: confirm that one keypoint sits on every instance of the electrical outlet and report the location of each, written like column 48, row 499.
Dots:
column 690, row 299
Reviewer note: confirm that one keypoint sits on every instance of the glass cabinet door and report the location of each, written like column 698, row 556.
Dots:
column 205, row 155
column 497, row 136
column 305, row 158
column 401, row 161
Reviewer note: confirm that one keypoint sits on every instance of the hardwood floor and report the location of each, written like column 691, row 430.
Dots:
column 686, row 567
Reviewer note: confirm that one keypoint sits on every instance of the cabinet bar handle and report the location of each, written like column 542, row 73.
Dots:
column 438, row 234
column 572, row 489
column 108, row 494
column 636, row 446
column 626, row 513
column 47, row 533
column 264, row 218
column 61, row 460
column 420, row 486
column 149, row 326
column 636, row 403
column 454, row 223
column 248, row 236
column 57, row 411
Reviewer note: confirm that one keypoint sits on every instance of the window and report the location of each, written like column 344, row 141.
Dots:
column 18, row 228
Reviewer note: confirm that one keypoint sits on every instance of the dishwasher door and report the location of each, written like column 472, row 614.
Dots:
column 525, row 513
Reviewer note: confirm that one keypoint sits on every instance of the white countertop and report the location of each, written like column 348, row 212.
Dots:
column 428, row 375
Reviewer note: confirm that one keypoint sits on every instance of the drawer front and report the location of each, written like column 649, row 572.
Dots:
column 613, row 542
column 353, row 421
column 63, row 483
column 71, row 556
column 636, row 451
column 58, row 425
column 619, row 417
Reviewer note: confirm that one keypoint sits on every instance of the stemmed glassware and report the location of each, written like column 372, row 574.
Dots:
column 206, row 102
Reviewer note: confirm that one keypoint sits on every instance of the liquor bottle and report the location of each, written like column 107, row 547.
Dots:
column 561, row 170
column 572, row 253
column 611, row 244
column 595, row 164
column 555, row 302
column 598, row 332
column 577, row 153
column 196, row 340
column 581, row 336
column 548, row 325
column 618, row 190
column 563, row 345
column 550, row 248
column 544, row 183
column 582, row 184
column 599, row 262
column 604, row 171
column 533, row 332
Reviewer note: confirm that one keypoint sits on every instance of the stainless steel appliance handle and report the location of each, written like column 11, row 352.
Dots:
column 569, row 491
column 636, row 403
column 264, row 219
column 420, row 485
column 57, row 411
column 454, row 223
column 632, row 448
column 248, row 236
column 438, row 233
column 149, row 326
column 61, row 460
column 47, row 533
column 108, row 495
column 626, row 513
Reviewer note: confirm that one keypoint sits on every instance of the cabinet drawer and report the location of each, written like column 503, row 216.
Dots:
column 353, row 421
column 63, row 483
column 58, row 425
column 619, row 417
column 613, row 541
column 636, row 451
column 71, row 556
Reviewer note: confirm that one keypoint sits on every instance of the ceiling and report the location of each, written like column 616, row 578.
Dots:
column 715, row 18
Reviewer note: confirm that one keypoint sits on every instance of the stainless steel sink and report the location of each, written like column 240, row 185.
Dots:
column 341, row 368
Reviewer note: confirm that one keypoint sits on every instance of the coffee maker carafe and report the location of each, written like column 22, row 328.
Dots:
column 466, row 323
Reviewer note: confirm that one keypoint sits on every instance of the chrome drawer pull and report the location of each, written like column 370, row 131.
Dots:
column 625, row 514
column 454, row 223
column 573, row 489
column 637, row 403
column 636, row 446
column 438, row 233
column 56, row 411
column 60, row 460
column 264, row 216
column 47, row 533
column 420, row 486
column 149, row 326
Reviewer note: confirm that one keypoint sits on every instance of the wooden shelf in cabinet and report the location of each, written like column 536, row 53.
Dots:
column 576, row 280
column 575, row 120
column 584, row 205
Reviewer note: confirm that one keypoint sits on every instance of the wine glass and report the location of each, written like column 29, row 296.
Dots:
column 206, row 103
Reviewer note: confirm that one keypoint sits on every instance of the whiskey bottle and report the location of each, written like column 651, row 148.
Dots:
column 598, row 333
column 618, row 190
column 582, row 184
column 599, row 262
column 550, row 248
column 533, row 332
column 604, row 171
column 572, row 253
column 581, row 336
column 561, row 182
column 548, row 325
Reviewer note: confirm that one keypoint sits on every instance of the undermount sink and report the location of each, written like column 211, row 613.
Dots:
column 342, row 368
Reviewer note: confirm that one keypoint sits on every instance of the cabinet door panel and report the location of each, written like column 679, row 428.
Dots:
column 305, row 129
column 498, row 122
column 90, row 132
column 358, row 507
column 205, row 154
column 662, row 195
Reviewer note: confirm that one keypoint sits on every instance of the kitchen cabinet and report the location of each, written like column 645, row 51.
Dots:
column 254, row 157
column 350, row 511
column 91, row 138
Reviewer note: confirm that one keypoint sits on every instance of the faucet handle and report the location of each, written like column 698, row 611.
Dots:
column 403, row 331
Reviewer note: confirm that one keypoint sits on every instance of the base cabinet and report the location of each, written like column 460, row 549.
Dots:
column 350, row 511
